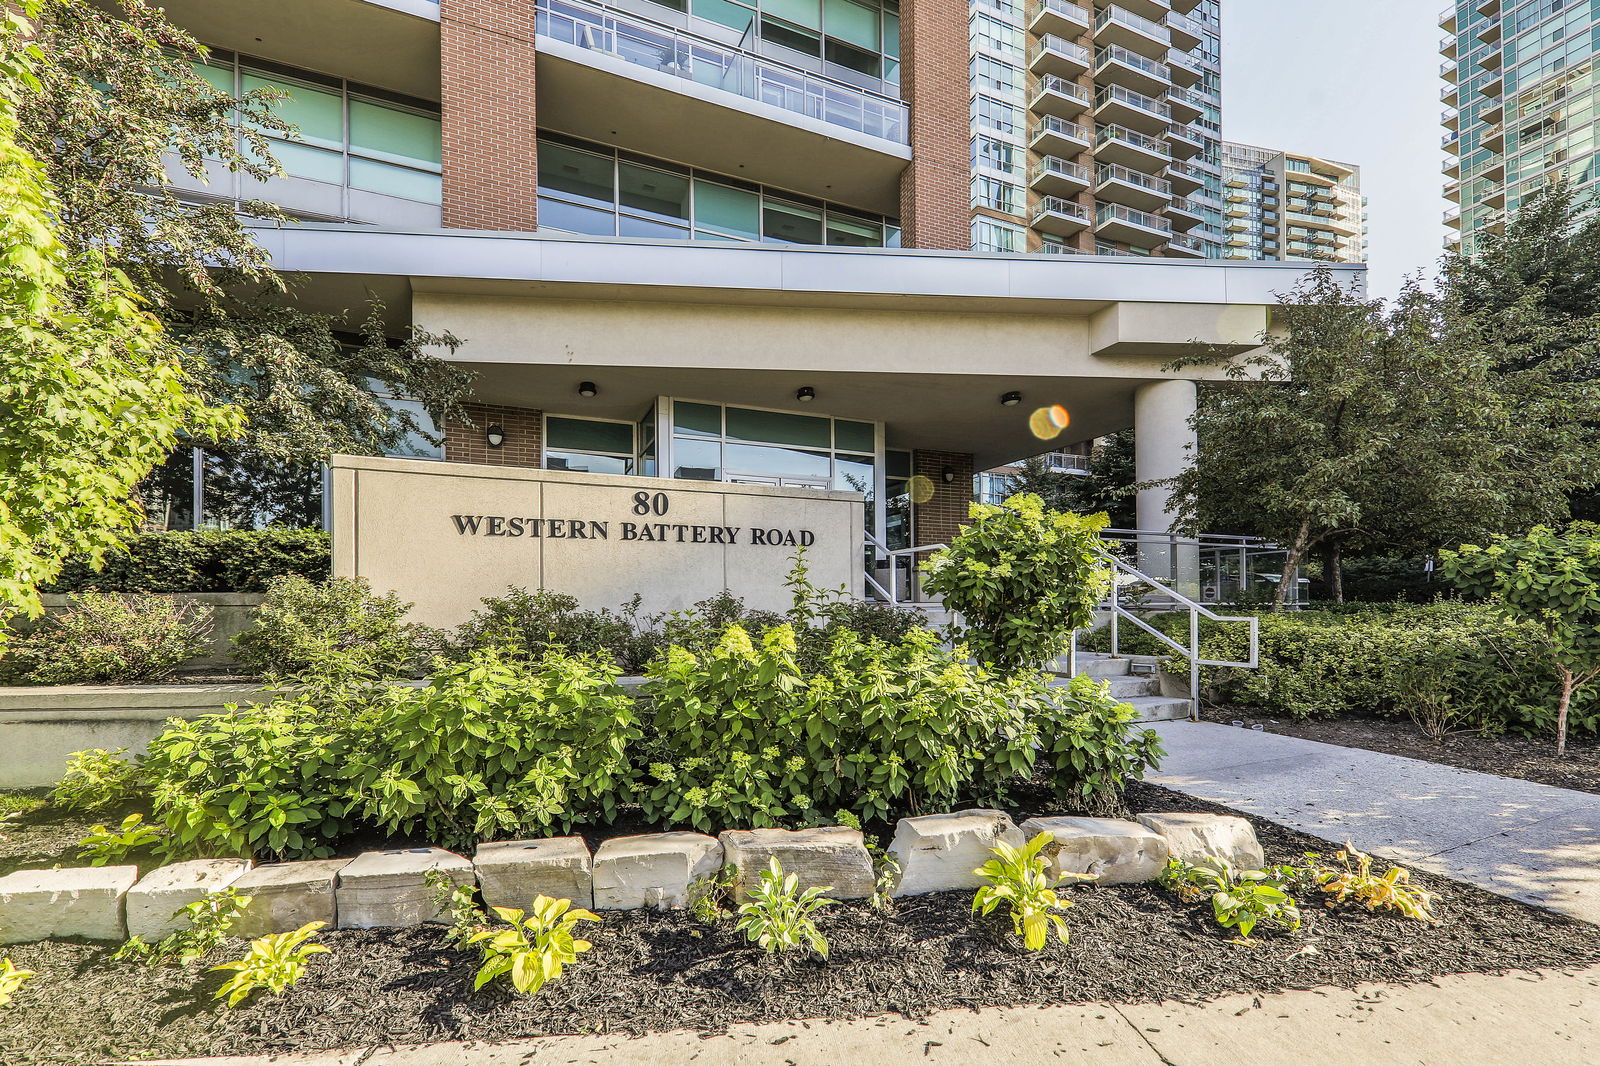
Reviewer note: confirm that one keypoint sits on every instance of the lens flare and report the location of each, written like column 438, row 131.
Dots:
column 920, row 488
column 1048, row 422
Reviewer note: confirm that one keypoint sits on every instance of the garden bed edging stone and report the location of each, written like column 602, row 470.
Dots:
column 80, row 901
column 512, row 873
column 652, row 869
column 389, row 888
column 1111, row 850
column 152, row 906
column 287, row 895
column 833, row 858
column 940, row 852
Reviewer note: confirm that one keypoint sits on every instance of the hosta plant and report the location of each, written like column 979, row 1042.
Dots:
column 780, row 917
column 1020, row 878
column 12, row 979
column 1240, row 899
column 104, row 845
column 274, row 962
column 536, row 947
column 1354, row 880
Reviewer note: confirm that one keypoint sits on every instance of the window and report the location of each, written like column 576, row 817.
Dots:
column 712, row 442
column 989, row 235
column 588, row 445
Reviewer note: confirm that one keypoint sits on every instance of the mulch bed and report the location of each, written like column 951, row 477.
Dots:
column 657, row 971
column 1528, row 758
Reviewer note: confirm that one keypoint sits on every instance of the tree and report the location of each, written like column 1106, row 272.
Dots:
column 1108, row 487
column 1552, row 580
column 118, row 100
column 1022, row 578
column 91, row 394
column 1399, row 428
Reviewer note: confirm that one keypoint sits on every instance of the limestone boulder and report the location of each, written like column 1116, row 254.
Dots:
column 1197, row 838
column 512, row 873
column 84, row 901
column 938, row 852
column 652, row 869
column 153, row 905
column 286, row 895
column 1115, row 852
column 831, row 857
column 389, row 888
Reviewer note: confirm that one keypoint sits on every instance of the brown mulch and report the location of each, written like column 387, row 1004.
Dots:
column 1528, row 758
column 653, row 971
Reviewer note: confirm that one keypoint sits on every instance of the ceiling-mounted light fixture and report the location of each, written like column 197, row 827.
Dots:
column 1011, row 399
column 495, row 436
column 805, row 394
column 587, row 389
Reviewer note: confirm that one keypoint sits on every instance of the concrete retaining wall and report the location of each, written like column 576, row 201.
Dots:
column 231, row 613
column 41, row 726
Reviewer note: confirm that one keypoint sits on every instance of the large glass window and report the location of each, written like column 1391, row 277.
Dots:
column 714, row 442
column 588, row 445
column 586, row 188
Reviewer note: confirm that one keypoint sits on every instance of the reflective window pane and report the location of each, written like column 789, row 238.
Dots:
column 734, row 16
column 855, row 436
column 629, row 226
column 558, row 214
column 777, row 427
column 699, row 460
column 782, row 462
column 582, row 463
column 723, row 209
column 317, row 113
column 415, row 445
column 588, row 434
column 577, row 175
column 805, row 13
column 854, row 232
column 697, row 419
column 853, row 474
column 852, row 22
column 301, row 161
column 789, row 223
column 654, row 193
column 393, row 134
column 374, row 176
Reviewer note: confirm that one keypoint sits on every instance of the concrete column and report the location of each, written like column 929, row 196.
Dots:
column 1163, row 446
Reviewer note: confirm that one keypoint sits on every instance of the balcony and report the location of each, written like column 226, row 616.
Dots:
column 1493, row 87
column 1118, row 66
column 1447, row 19
column 1057, row 55
column 1183, row 246
column 1059, row 17
column 1057, row 136
column 1452, row 167
column 1133, row 188
column 1184, row 215
column 1185, row 142
column 618, row 78
column 1186, row 70
column 1452, row 192
column 1185, row 32
column 1185, row 7
column 1488, row 8
column 1448, row 71
column 1450, row 96
column 1058, row 217
column 1447, row 47
column 1490, row 33
column 1491, row 60
column 1450, row 119
column 1058, row 97
column 1116, row 25
column 1054, row 176
column 1494, row 139
column 1113, row 222
column 1186, row 106
column 1114, row 105
column 1185, row 181
column 1118, row 144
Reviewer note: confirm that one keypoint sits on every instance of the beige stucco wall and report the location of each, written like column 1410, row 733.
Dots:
column 395, row 524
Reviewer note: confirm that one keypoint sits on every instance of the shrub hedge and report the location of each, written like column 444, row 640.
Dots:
column 207, row 560
column 1373, row 659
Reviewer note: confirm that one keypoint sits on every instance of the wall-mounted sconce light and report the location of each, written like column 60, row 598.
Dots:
column 949, row 474
column 495, row 436
column 806, row 394
column 1011, row 399
column 586, row 389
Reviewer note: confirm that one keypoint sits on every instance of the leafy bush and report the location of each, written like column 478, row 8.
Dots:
column 206, row 922
column 1022, row 579
column 532, row 623
column 104, row 845
column 274, row 962
column 339, row 627
column 1376, row 659
column 537, row 946
column 779, row 916
column 1020, row 878
column 235, row 560
column 110, row 637
column 97, row 780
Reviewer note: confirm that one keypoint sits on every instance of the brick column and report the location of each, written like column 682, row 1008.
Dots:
column 487, row 107
column 937, row 520
column 935, row 197
column 524, row 430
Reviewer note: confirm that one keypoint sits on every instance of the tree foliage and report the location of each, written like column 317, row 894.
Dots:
column 91, row 394
column 1108, row 487
column 1398, row 428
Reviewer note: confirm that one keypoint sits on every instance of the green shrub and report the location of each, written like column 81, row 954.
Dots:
column 1376, row 660
column 98, row 780
column 496, row 748
column 236, row 560
column 531, row 623
column 339, row 627
column 110, row 637
column 1022, row 579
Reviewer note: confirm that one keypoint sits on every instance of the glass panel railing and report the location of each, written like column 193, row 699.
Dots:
column 1051, row 164
column 1064, row 86
column 1193, row 244
column 1112, row 172
column 666, row 51
column 1058, row 205
column 1132, row 21
column 1049, row 42
column 1117, row 213
column 1060, row 127
column 1067, row 10
column 1133, row 137
column 1117, row 53
column 1132, row 99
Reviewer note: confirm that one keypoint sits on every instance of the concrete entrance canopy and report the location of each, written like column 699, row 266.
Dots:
column 925, row 342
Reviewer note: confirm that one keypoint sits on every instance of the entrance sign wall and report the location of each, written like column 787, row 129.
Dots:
column 445, row 535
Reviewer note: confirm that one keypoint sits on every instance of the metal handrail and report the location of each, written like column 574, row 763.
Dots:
column 892, row 593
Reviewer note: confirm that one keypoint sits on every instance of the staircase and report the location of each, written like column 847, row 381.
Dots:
column 1142, row 690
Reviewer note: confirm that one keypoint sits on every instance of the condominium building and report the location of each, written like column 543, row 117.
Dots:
column 1097, row 129
column 1519, row 106
column 1281, row 205
column 715, row 257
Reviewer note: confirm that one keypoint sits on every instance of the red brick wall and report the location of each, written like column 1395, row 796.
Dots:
column 524, row 429
column 487, row 103
column 941, row 517
column 935, row 199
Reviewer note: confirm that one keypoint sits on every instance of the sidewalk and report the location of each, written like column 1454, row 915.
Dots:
column 1527, row 841
column 1469, row 1020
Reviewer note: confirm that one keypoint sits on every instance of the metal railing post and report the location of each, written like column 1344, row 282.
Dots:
column 1194, row 665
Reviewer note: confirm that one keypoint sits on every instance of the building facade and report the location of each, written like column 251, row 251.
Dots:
column 1281, row 205
column 1519, row 106
column 1096, row 129
column 728, row 242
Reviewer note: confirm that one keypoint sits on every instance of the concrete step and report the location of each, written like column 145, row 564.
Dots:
column 1123, row 686
column 1101, row 666
column 1160, row 708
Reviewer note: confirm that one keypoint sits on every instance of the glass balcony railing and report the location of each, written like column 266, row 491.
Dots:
column 1192, row 244
column 1112, row 172
column 1051, row 165
column 1064, row 86
column 1135, row 22
column 1117, row 53
column 1127, row 97
column 1107, row 213
column 1121, row 133
column 667, row 51
column 1061, row 128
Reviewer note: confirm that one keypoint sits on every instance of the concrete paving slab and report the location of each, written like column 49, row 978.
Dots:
column 1517, row 838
